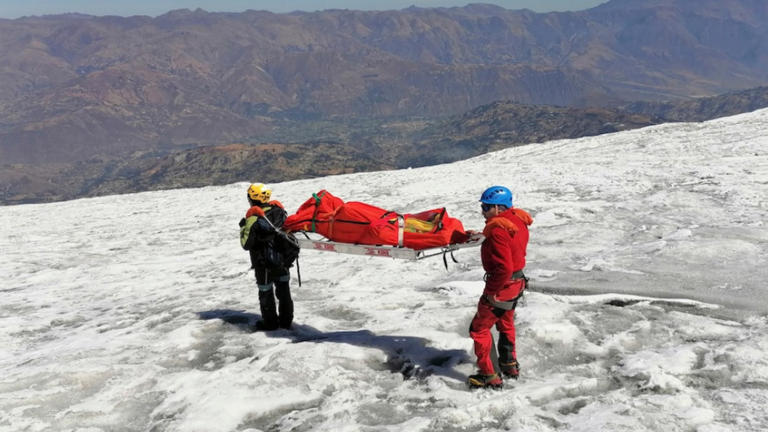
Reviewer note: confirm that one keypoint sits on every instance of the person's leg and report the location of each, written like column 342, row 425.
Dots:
column 480, row 332
column 507, row 352
column 266, row 301
column 283, row 293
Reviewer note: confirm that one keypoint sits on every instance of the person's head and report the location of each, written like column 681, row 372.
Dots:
column 495, row 200
column 258, row 194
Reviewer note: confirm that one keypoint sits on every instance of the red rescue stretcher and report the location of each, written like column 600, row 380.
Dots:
column 362, row 229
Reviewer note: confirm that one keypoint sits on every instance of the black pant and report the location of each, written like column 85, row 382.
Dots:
column 269, row 311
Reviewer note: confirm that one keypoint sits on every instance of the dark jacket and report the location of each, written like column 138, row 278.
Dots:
column 257, row 235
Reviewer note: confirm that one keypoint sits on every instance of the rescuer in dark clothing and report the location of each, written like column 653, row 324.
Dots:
column 258, row 232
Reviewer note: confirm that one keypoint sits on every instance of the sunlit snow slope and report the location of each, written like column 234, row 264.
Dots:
column 647, row 312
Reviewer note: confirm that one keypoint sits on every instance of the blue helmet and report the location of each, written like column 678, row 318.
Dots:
column 497, row 195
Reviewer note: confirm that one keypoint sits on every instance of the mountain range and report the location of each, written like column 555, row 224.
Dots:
column 86, row 100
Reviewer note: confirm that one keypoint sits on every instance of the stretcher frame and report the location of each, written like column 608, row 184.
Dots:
column 387, row 251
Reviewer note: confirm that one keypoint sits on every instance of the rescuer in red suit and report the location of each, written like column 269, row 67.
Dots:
column 503, row 258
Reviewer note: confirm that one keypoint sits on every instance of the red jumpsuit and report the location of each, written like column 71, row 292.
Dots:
column 502, row 253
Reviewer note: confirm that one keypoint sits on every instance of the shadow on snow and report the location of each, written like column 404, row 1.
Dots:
column 411, row 356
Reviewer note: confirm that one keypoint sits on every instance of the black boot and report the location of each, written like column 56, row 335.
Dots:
column 508, row 364
column 283, row 292
column 268, row 310
column 480, row 380
column 262, row 325
column 510, row 369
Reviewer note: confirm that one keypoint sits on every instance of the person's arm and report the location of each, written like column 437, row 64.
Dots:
column 277, row 217
column 263, row 230
column 500, row 260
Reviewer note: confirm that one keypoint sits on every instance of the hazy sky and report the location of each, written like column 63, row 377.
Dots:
column 17, row 8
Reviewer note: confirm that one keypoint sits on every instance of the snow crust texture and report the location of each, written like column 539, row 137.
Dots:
column 647, row 310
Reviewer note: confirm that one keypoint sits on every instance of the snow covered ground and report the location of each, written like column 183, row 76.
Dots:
column 647, row 312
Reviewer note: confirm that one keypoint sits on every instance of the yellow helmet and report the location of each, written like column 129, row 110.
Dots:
column 258, row 192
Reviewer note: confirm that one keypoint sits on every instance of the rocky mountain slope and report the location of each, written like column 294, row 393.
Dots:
column 704, row 108
column 504, row 124
column 73, row 87
column 353, row 146
column 94, row 105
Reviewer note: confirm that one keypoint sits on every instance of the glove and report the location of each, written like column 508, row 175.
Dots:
column 242, row 222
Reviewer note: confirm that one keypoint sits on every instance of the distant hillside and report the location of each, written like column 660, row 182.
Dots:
column 705, row 108
column 229, row 163
column 75, row 87
column 197, row 167
column 351, row 146
column 505, row 124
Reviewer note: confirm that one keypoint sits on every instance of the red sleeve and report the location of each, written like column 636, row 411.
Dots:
column 498, row 262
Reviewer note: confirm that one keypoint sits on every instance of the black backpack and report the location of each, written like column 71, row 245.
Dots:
column 282, row 250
